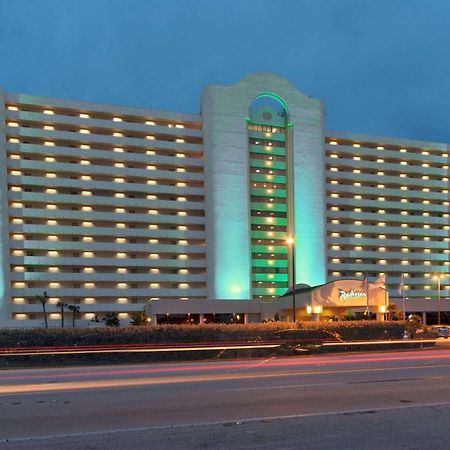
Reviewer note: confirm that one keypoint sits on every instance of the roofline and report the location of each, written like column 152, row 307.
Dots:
column 387, row 140
column 101, row 107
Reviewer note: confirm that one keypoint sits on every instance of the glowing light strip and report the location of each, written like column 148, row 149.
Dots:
column 398, row 341
column 140, row 350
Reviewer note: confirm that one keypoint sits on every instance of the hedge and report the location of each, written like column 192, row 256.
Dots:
column 207, row 333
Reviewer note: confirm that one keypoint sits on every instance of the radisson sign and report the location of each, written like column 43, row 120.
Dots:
column 345, row 295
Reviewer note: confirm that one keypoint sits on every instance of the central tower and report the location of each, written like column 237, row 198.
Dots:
column 264, row 180
column 271, row 194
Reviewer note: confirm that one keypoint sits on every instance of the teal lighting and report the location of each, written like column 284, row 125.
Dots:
column 273, row 96
column 311, row 266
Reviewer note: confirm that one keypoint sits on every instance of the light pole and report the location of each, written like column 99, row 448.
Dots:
column 291, row 243
column 439, row 277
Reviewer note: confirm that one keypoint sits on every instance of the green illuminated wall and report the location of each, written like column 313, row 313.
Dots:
column 227, row 232
column 225, row 111
column 267, row 132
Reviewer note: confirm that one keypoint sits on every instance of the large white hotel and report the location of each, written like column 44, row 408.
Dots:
column 109, row 207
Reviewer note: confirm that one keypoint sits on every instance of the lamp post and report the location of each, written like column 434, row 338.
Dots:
column 291, row 243
column 438, row 277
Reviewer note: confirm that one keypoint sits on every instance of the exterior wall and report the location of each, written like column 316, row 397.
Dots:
column 323, row 301
column 5, row 297
column 106, row 207
column 225, row 110
column 388, row 211
column 226, row 170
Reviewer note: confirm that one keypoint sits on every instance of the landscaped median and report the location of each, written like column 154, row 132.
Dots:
column 176, row 342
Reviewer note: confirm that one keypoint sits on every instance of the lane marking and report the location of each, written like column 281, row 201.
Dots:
column 237, row 421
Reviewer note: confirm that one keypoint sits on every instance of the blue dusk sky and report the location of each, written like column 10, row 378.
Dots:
column 381, row 67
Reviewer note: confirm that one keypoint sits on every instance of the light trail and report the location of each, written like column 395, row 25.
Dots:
column 397, row 341
column 81, row 351
column 305, row 361
column 180, row 347
column 121, row 383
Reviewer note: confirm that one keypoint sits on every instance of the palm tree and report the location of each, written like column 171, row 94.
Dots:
column 61, row 306
column 43, row 299
column 139, row 318
column 75, row 310
column 111, row 319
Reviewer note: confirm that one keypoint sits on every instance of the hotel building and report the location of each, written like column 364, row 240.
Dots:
column 110, row 207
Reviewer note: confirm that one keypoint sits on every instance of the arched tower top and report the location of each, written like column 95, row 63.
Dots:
column 268, row 108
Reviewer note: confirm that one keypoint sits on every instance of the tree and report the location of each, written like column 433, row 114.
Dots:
column 391, row 310
column 43, row 299
column 111, row 319
column 75, row 310
column 394, row 313
column 61, row 307
column 139, row 318
column 95, row 319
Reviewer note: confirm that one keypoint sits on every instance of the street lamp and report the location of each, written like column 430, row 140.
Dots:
column 438, row 277
column 290, row 241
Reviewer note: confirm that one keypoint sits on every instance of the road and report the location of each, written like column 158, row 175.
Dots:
column 377, row 400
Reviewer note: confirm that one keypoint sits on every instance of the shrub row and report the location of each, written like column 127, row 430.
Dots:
column 208, row 333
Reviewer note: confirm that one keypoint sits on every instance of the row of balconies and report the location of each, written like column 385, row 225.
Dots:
column 440, row 179
column 387, row 204
column 69, row 108
column 391, row 218
column 109, row 292
column 265, row 136
column 266, row 177
column 141, row 205
column 110, row 247
column 263, row 192
column 98, row 307
column 37, row 119
column 108, row 277
column 108, row 155
column 138, row 175
column 348, row 151
column 276, row 207
column 270, row 277
column 39, row 136
column 383, row 223
column 266, row 150
column 393, row 279
column 389, row 267
column 112, row 231
column 62, row 260
column 266, row 164
column 387, row 229
column 103, row 218
column 268, row 220
column 389, row 256
column 373, row 191
column 390, row 244
column 194, row 187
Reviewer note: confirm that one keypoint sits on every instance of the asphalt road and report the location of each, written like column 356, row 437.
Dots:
column 381, row 400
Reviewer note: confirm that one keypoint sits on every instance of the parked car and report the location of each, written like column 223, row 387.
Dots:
column 442, row 331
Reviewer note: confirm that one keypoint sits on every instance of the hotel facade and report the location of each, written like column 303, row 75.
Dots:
column 108, row 208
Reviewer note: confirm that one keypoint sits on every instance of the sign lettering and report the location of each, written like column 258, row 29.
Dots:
column 345, row 295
